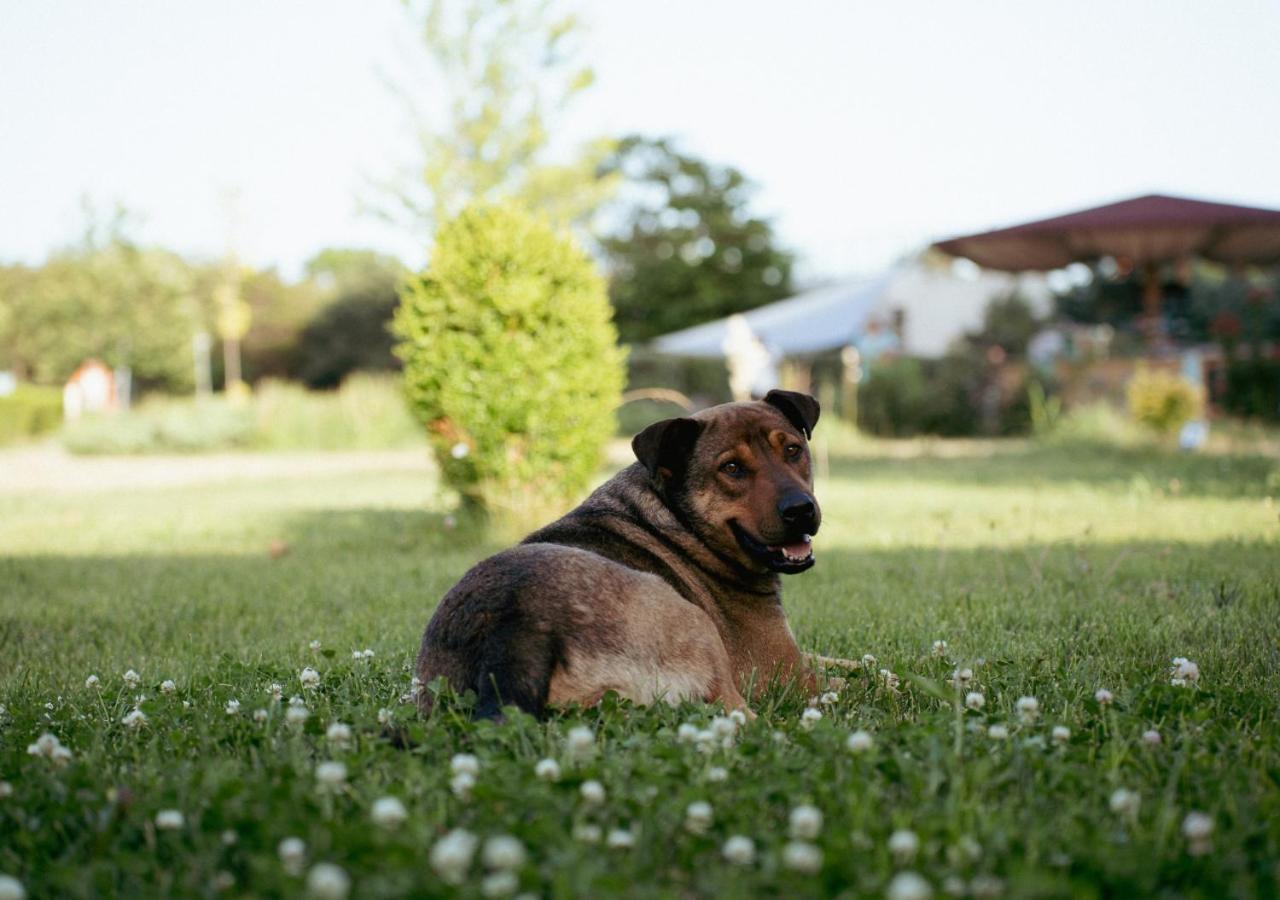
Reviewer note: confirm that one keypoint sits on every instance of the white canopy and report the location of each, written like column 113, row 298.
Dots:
column 823, row 319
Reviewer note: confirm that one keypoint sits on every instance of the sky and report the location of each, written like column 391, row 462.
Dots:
column 870, row 129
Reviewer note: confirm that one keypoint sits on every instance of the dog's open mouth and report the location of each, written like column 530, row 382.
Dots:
column 785, row 558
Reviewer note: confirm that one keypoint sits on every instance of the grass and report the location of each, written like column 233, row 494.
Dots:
column 1050, row 571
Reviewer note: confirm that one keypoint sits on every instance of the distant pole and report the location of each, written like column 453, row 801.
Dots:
column 1151, row 303
column 850, row 375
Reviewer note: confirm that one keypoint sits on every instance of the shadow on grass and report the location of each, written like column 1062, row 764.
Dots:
column 1151, row 469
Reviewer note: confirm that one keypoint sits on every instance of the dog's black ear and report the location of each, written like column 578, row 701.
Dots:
column 665, row 446
column 800, row 409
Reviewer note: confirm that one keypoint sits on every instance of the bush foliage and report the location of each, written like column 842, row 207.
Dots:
column 28, row 412
column 1161, row 400
column 511, row 361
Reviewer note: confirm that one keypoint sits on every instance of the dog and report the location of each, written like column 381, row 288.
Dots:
column 663, row 585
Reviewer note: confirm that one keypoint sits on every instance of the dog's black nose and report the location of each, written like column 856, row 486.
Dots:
column 797, row 508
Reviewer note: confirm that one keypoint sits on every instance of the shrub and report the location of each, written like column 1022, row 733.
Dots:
column 1253, row 388
column 163, row 425
column 1162, row 400
column 511, row 361
column 28, row 412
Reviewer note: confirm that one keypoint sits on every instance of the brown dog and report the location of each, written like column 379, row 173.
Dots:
column 663, row 584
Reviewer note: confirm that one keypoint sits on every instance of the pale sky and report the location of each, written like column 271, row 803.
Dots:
column 870, row 128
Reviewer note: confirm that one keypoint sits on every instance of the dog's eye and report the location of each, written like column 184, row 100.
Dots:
column 731, row 468
column 792, row 451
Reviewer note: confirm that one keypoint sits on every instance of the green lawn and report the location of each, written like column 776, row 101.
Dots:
column 1049, row 572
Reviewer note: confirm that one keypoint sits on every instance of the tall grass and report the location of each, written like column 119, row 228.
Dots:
column 367, row 413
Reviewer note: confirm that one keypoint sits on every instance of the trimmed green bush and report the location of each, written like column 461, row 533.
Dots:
column 511, row 362
column 28, row 412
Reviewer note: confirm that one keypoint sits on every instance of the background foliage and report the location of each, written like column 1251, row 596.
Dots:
column 511, row 362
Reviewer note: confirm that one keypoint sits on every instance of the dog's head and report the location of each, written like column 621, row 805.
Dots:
column 741, row 475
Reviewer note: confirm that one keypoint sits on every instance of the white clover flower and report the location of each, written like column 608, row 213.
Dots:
column 296, row 714
column 998, row 733
column 939, row 648
column 169, row 819
column 48, row 746
column 452, row 854
column 295, row 700
column 388, row 812
column 587, row 833
column 580, row 744
column 338, row 734
column 6, row 790
column 134, row 719
column 168, row 686
column 592, row 792
column 903, row 845
column 132, row 679
column 260, row 715
column 309, row 677
column 810, row 717
column 1152, row 737
column 908, row 886
column 868, row 661
column 738, row 717
column 1061, row 734
column 1028, row 708
column 230, row 838
column 547, row 770
column 739, row 850
column 698, row 817
column 357, row 655
column 460, row 450
column 961, row 677
column 859, row 742
column 1125, row 802
column 293, row 855
column 367, row 653
column 1198, row 828
column 11, row 888
column 385, row 716
column 687, row 733
column 233, row 707
column 1103, row 696
column 503, row 852
column 620, row 839
column 724, row 727
column 706, row 740
column 717, row 774
column 954, row 886
column 1184, row 670
column 975, row 700
column 805, row 823
column 802, row 857
column 461, row 785
column 315, row 646
column 92, row 682
column 328, row 882
column 986, row 886
column 466, row 763
column 276, row 690
column 499, row 884
column 331, row 774
column 829, row 698
column 889, row 680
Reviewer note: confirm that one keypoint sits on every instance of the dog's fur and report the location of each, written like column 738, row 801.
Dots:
column 663, row 584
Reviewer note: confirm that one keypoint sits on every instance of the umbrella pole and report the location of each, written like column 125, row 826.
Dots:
column 1151, row 302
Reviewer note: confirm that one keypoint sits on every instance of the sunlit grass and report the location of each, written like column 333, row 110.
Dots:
column 1050, row 572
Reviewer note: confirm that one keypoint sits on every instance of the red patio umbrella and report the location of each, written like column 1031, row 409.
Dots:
column 1143, row 232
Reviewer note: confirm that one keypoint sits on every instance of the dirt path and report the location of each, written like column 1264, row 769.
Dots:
column 49, row 468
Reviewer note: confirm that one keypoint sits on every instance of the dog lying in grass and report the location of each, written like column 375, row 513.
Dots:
column 663, row 584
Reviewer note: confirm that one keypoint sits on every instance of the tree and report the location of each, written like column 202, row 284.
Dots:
column 1008, row 322
column 688, row 250
column 511, row 362
column 104, row 298
column 500, row 73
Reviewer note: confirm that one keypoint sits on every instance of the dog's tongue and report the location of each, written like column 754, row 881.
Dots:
column 798, row 550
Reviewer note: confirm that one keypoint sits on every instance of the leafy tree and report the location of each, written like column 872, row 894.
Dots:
column 106, row 299
column 500, row 71
column 1008, row 322
column 511, row 362
column 688, row 250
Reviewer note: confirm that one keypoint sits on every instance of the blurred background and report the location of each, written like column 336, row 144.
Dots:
column 1007, row 221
